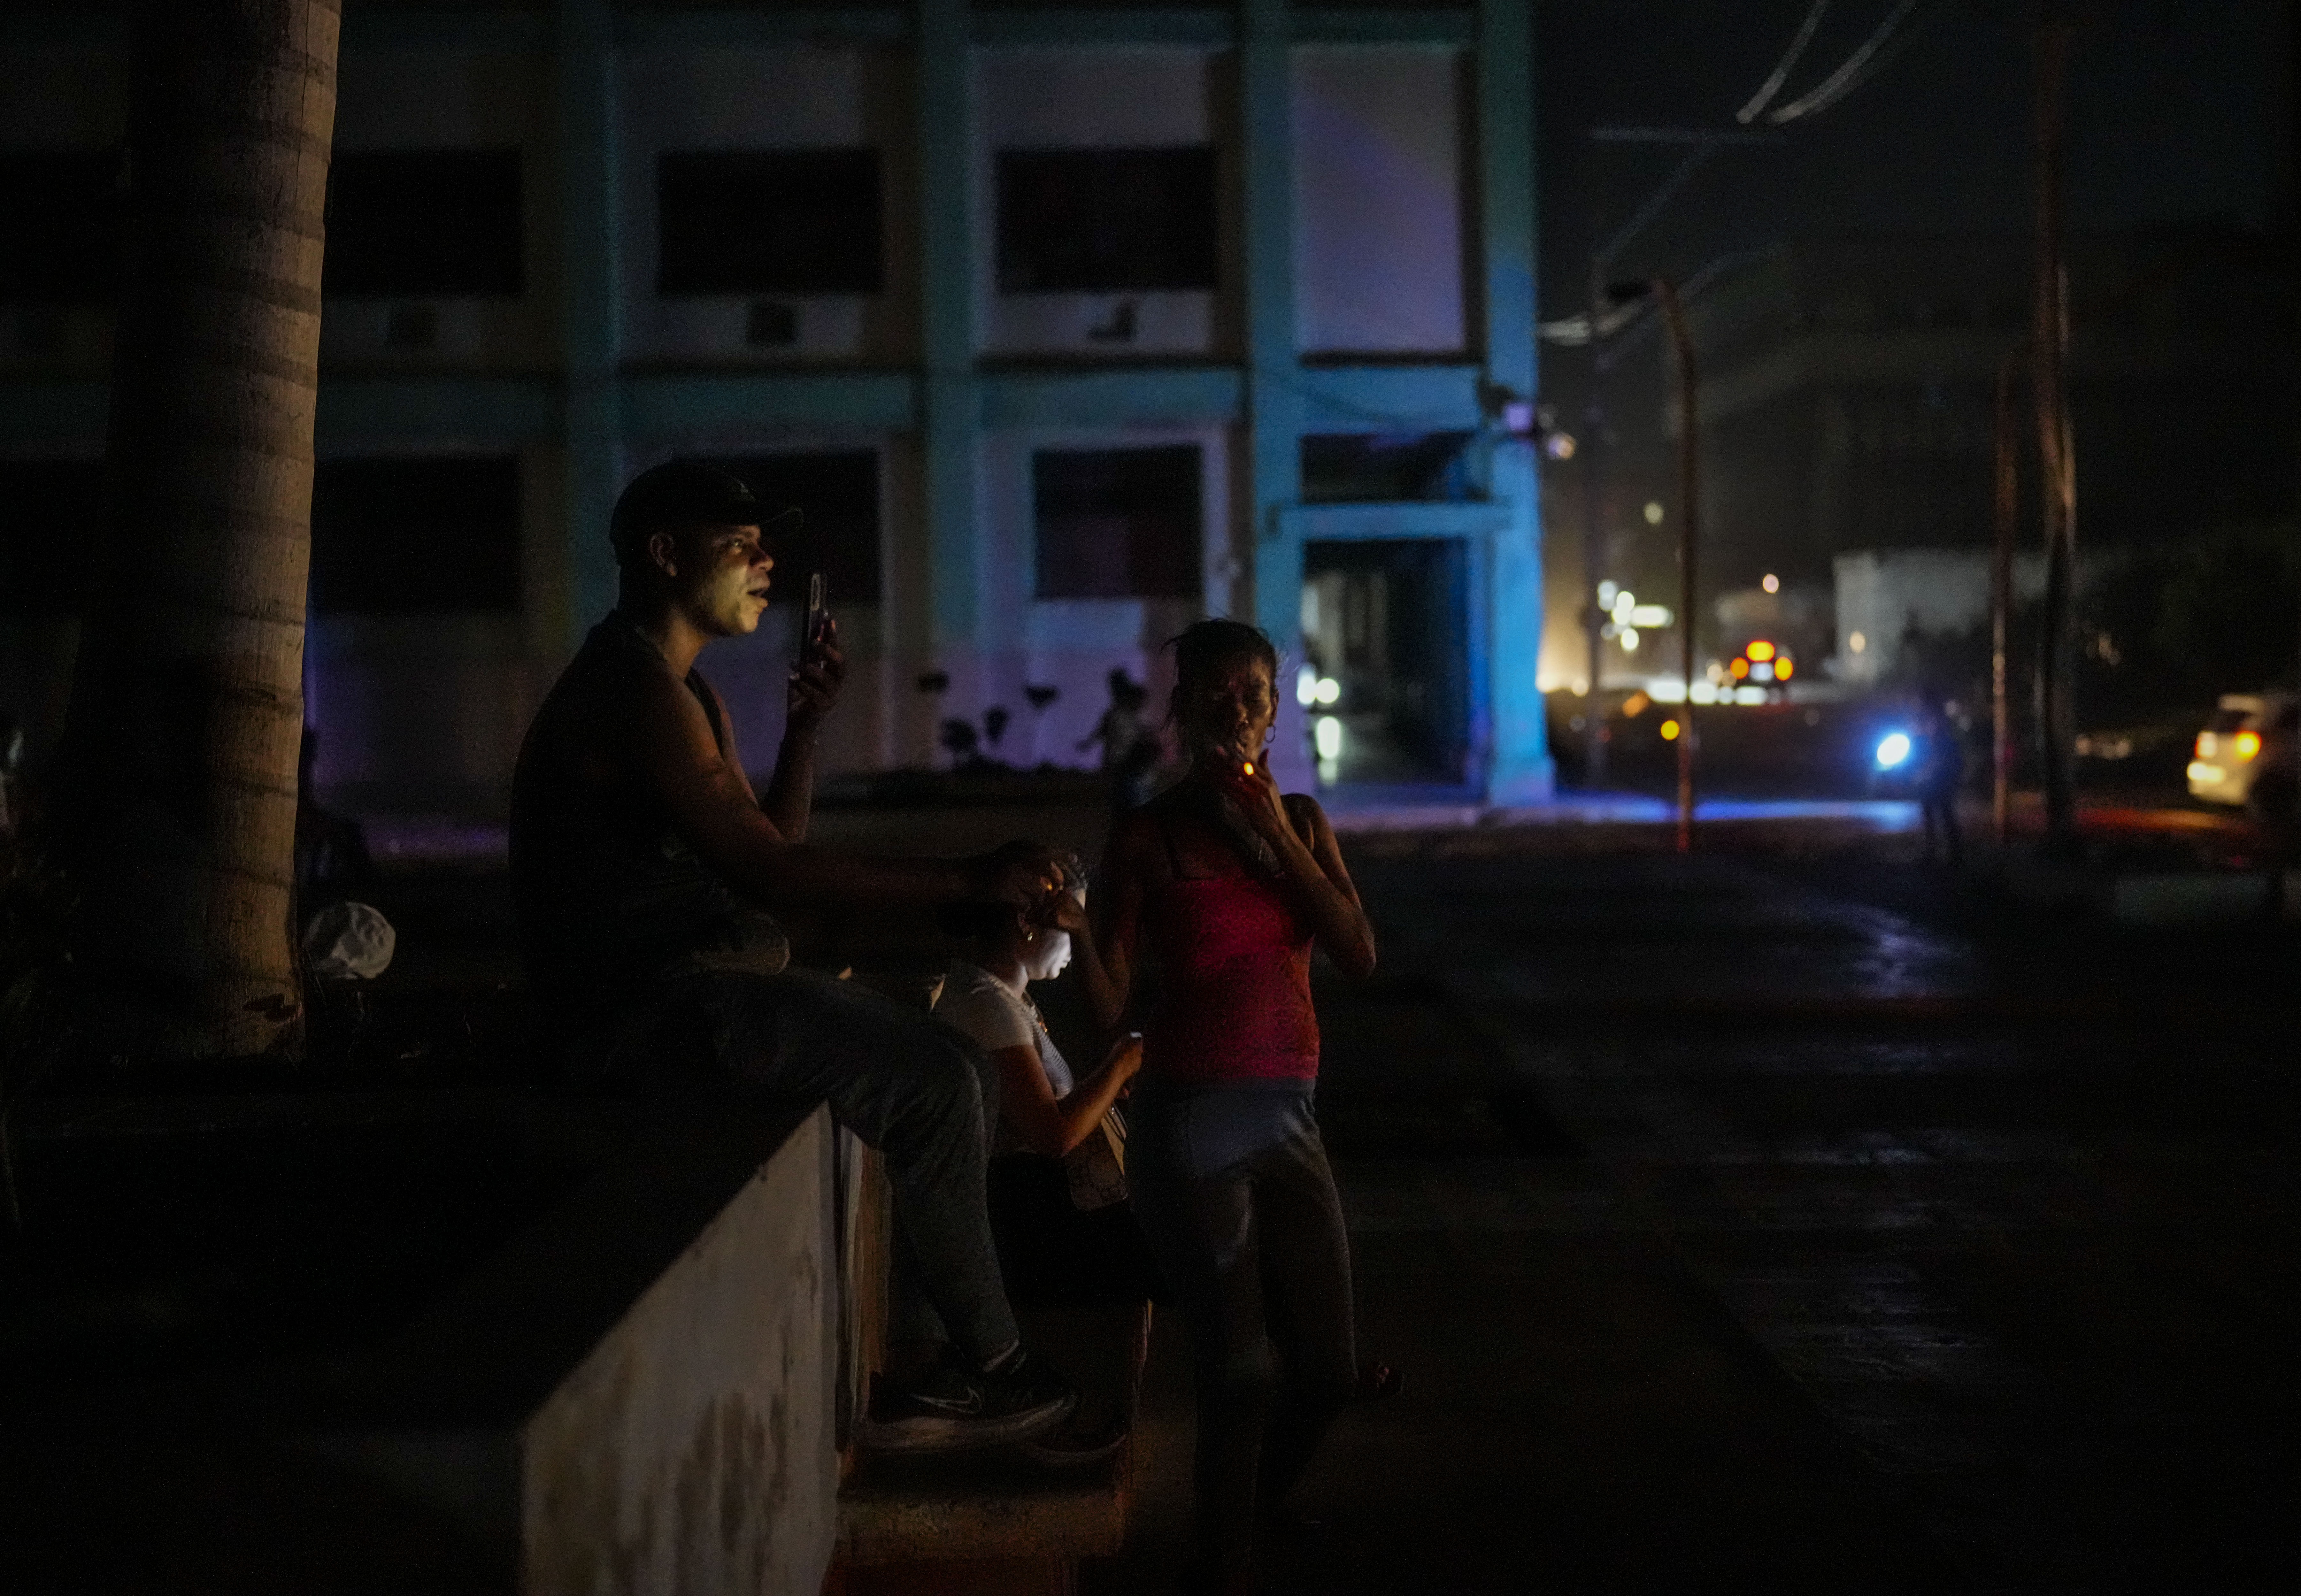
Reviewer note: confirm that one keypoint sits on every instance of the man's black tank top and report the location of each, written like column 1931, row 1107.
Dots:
column 611, row 896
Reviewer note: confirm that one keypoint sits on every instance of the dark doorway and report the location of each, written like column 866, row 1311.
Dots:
column 1387, row 651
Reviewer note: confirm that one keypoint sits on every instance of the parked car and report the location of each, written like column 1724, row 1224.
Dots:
column 2244, row 755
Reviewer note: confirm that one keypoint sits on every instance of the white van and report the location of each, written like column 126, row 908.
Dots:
column 2244, row 755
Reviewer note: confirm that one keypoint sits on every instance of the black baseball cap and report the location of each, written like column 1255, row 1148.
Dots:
column 680, row 494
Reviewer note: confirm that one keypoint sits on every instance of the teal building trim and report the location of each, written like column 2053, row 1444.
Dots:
column 1520, row 768
column 1273, row 387
column 1345, row 399
column 735, row 28
column 1166, row 394
column 953, row 425
column 673, row 404
column 1373, row 26
column 483, row 413
column 65, row 417
column 949, row 405
column 1149, row 25
column 591, row 306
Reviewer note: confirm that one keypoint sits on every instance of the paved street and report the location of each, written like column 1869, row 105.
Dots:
column 1787, row 1219
column 1751, row 1223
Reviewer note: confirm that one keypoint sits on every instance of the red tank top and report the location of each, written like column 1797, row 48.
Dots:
column 1236, row 964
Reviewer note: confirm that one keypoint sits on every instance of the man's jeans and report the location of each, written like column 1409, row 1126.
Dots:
column 903, row 1083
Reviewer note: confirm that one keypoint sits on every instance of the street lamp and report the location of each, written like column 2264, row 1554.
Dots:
column 1673, row 313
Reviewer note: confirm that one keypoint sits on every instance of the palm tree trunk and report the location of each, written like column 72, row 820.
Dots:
column 179, row 766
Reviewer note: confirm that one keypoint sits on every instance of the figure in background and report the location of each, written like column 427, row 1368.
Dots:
column 647, row 873
column 332, row 864
column 1230, row 885
column 1938, row 777
column 1129, row 743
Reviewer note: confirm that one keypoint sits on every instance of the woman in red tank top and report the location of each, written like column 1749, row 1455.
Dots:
column 1232, row 885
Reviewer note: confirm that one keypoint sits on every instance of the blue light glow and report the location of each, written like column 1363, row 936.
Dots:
column 1892, row 751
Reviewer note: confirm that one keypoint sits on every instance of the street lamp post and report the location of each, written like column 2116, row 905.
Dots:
column 1689, row 503
column 2007, row 506
column 1689, row 519
column 2056, row 461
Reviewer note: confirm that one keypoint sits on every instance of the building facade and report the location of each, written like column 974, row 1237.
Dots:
column 1066, row 325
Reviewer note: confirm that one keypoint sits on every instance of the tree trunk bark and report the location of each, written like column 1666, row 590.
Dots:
column 180, row 755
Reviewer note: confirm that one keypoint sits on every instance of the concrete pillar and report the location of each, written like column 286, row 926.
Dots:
column 1518, row 769
column 1274, row 404
column 938, row 626
column 591, row 327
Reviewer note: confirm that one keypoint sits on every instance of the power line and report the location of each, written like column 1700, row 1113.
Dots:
column 1852, row 73
column 1772, row 86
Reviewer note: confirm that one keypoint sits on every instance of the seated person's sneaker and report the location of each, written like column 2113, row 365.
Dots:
column 1094, row 1434
column 952, row 1407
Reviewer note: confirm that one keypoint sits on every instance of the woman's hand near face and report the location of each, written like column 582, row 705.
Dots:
column 1258, row 798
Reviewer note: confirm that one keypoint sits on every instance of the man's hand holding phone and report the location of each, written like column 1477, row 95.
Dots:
column 821, row 669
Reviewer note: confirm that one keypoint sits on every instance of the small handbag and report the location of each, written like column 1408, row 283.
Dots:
column 1096, row 1168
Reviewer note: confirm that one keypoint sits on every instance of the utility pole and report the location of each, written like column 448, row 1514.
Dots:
column 2056, row 455
column 2007, row 507
column 1701, row 144
column 1594, row 538
column 1688, row 528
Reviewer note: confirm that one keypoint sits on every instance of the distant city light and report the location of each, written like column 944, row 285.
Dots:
column 1328, row 734
column 1306, row 686
column 1558, row 445
column 1892, row 751
column 1629, row 639
column 1856, row 642
column 1654, row 512
column 1782, row 668
column 1759, row 652
column 1706, row 692
column 1669, row 731
column 1328, row 690
column 1606, row 591
column 2244, row 745
column 1740, row 667
column 1762, row 671
column 1770, row 583
column 1749, row 694
column 1625, row 602
column 1650, row 615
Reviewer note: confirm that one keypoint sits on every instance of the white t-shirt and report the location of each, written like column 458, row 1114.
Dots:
column 994, row 1016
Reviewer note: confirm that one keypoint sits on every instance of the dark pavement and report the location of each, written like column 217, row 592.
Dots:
column 1789, row 1218
column 1795, row 1223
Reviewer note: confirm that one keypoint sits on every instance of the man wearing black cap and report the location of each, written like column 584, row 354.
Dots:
column 645, row 868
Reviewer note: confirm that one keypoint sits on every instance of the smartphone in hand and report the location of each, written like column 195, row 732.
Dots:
column 810, row 636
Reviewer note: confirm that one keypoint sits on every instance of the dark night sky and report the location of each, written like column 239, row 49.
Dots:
column 2178, row 115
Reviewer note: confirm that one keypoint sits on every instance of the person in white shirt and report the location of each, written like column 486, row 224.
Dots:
column 1058, row 1210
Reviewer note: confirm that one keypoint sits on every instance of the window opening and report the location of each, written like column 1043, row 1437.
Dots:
column 1342, row 468
column 428, row 535
column 50, row 511
column 769, row 221
column 1118, row 523
column 61, row 242
column 1106, row 220
column 425, row 221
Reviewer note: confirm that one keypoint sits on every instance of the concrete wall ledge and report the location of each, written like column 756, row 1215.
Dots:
column 640, row 1387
